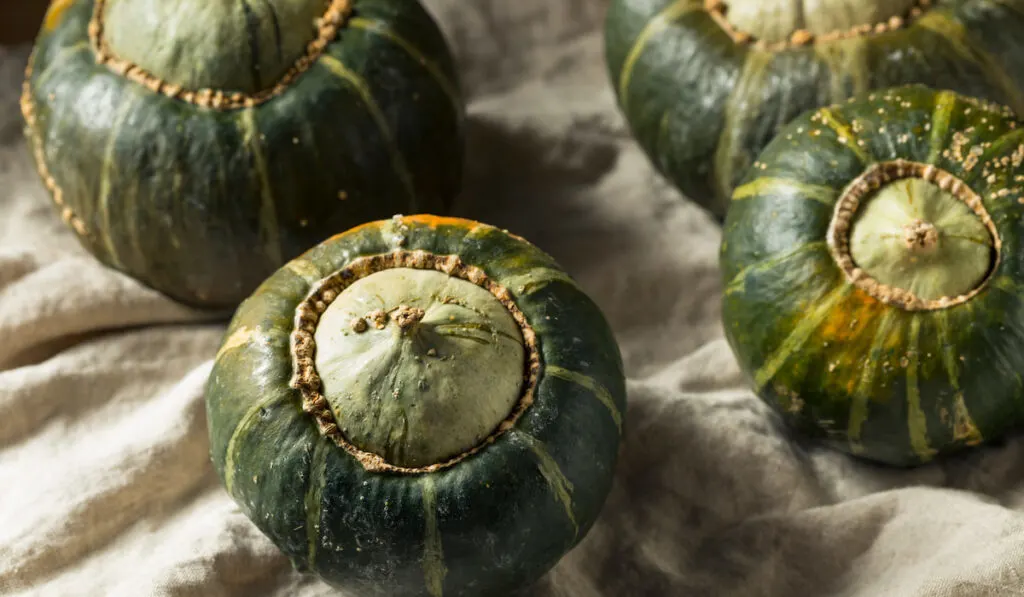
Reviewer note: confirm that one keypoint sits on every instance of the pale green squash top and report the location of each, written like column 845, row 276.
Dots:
column 913, row 235
column 233, row 45
column 418, row 366
column 776, row 20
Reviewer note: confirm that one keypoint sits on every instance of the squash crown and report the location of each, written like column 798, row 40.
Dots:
column 412, row 361
column 914, row 235
column 234, row 47
column 418, row 366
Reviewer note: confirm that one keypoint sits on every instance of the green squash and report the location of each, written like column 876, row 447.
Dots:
column 199, row 145
column 705, row 84
column 419, row 406
column 874, row 274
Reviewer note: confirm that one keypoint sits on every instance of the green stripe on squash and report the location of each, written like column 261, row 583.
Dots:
column 595, row 388
column 860, row 405
column 433, row 553
column 442, row 79
column 917, row 422
column 767, row 186
column 560, row 487
column 359, row 84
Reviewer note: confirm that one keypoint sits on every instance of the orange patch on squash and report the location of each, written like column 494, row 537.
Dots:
column 436, row 221
column 55, row 13
column 851, row 319
column 428, row 220
column 848, row 335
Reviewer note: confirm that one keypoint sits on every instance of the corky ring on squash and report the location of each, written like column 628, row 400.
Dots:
column 706, row 84
column 198, row 145
column 419, row 406
column 873, row 274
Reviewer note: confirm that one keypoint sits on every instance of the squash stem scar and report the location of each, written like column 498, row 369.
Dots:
column 860, row 189
column 303, row 347
column 327, row 28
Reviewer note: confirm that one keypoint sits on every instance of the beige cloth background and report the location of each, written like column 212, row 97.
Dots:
column 105, row 484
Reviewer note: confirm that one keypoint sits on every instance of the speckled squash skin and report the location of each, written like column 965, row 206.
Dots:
column 703, row 104
column 491, row 523
column 203, row 202
column 873, row 379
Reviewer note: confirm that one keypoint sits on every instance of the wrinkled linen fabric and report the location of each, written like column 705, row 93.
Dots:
column 105, row 483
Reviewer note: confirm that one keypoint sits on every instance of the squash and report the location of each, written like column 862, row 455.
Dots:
column 419, row 406
column 874, row 275
column 706, row 84
column 198, row 146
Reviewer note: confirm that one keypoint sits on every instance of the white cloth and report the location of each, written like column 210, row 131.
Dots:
column 105, row 482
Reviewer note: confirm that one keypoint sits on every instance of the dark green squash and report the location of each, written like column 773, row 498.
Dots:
column 874, row 277
column 705, row 84
column 199, row 145
column 419, row 406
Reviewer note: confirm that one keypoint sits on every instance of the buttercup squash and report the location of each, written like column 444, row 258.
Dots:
column 874, row 277
column 705, row 84
column 200, row 145
column 419, row 406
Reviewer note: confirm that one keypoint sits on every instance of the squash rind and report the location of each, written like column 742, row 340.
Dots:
column 702, row 106
column 878, row 381
column 493, row 522
column 203, row 204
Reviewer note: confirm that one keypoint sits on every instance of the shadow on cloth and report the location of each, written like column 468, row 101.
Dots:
column 712, row 497
column 569, row 188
